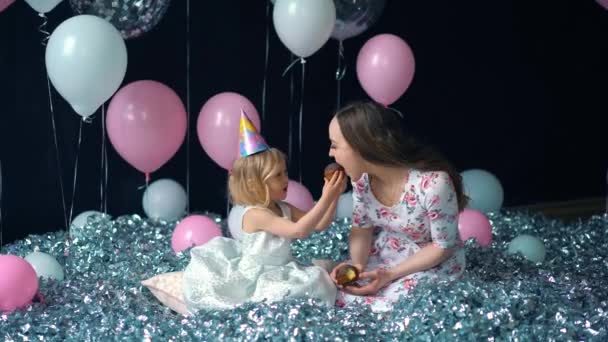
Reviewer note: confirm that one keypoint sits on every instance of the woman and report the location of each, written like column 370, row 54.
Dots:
column 406, row 204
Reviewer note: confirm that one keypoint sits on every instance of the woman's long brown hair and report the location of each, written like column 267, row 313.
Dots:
column 376, row 133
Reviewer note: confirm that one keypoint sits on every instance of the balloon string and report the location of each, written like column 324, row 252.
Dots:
column 41, row 298
column 103, row 185
column 57, row 154
column 266, row 57
column 227, row 197
column 301, row 116
column 68, row 240
column 106, row 166
column 75, row 175
column 45, row 37
column 340, row 72
column 292, row 64
column 299, row 170
column 43, row 29
column 146, row 182
column 395, row 110
column 1, row 229
column 291, row 119
column 187, row 106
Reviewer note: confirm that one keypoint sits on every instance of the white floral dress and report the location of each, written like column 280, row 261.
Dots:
column 426, row 213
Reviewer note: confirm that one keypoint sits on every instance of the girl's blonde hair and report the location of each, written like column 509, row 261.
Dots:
column 247, row 181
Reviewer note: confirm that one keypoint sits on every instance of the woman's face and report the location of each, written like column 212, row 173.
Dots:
column 340, row 150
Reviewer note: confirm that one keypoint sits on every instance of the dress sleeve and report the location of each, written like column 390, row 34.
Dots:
column 361, row 204
column 441, row 205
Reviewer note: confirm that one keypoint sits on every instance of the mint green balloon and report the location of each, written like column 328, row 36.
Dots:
column 531, row 247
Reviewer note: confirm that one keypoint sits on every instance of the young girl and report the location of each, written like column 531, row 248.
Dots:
column 259, row 266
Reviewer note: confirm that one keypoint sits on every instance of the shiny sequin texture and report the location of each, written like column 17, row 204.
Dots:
column 131, row 17
column 500, row 297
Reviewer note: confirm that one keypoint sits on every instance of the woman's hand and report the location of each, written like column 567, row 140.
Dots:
column 332, row 275
column 378, row 279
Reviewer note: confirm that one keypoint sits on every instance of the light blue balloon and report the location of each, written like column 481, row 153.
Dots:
column 78, row 223
column 344, row 208
column 165, row 199
column 82, row 218
column 531, row 247
column 483, row 189
column 45, row 265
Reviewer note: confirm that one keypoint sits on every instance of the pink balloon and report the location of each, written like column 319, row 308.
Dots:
column 385, row 68
column 18, row 283
column 146, row 124
column 218, row 126
column 603, row 3
column 299, row 196
column 474, row 224
column 5, row 3
column 194, row 230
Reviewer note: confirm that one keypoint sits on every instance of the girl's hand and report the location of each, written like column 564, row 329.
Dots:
column 343, row 183
column 334, row 187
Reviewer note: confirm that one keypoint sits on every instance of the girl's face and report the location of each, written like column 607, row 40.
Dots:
column 340, row 150
column 277, row 182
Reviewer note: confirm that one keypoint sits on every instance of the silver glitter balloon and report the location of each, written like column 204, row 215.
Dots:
column 131, row 17
column 501, row 297
column 355, row 16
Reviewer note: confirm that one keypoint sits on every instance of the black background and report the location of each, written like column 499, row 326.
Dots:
column 517, row 88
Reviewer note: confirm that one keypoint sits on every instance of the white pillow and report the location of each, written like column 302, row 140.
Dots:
column 167, row 288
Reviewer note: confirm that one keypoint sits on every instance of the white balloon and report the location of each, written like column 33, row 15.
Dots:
column 304, row 25
column 235, row 221
column 80, row 220
column 43, row 6
column 45, row 265
column 345, row 206
column 86, row 60
column 165, row 199
column 483, row 189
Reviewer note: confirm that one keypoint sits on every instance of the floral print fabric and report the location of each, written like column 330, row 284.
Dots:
column 426, row 213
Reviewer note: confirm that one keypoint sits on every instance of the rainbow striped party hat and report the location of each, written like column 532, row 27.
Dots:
column 250, row 141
